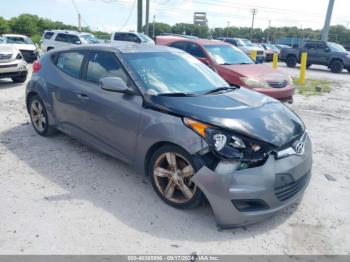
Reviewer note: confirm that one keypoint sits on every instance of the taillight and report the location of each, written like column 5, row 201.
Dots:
column 36, row 66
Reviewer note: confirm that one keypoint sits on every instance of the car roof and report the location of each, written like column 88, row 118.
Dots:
column 121, row 47
column 72, row 32
column 168, row 39
column 14, row 35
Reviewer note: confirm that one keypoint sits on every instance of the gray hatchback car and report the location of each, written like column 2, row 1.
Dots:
column 174, row 119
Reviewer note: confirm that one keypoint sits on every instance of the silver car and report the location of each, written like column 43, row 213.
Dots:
column 174, row 119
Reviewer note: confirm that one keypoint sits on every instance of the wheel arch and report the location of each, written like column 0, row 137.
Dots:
column 335, row 59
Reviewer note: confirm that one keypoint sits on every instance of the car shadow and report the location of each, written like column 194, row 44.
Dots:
column 113, row 186
column 8, row 83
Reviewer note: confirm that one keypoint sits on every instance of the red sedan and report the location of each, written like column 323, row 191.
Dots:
column 234, row 66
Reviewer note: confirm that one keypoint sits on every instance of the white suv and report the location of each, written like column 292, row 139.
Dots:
column 62, row 38
column 12, row 64
column 24, row 44
column 131, row 37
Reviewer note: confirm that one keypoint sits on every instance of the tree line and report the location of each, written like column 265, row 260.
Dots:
column 34, row 26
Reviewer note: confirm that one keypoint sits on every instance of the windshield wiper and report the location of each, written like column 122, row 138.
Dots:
column 222, row 88
column 177, row 94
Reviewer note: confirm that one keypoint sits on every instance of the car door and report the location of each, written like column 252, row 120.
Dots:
column 323, row 54
column 311, row 50
column 112, row 118
column 66, row 87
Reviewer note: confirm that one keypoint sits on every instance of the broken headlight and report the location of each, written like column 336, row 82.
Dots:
column 229, row 145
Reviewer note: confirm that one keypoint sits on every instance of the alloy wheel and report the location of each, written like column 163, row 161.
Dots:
column 172, row 174
column 38, row 116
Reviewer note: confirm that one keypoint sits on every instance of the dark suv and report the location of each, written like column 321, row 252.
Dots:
column 329, row 54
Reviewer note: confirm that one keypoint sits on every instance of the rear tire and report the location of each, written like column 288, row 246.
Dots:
column 291, row 61
column 171, row 169
column 336, row 66
column 39, row 117
column 19, row 79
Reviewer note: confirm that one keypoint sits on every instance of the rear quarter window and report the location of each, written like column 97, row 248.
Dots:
column 48, row 35
column 70, row 63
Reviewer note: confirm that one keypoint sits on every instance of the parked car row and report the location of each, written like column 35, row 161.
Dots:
column 195, row 134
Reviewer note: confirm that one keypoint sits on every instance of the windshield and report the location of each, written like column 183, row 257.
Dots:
column 227, row 54
column 166, row 73
column 245, row 42
column 19, row 40
column 336, row 47
column 145, row 38
column 89, row 39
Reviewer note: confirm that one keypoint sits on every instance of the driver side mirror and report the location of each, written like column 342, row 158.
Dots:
column 78, row 42
column 113, row 84
column 327, row 49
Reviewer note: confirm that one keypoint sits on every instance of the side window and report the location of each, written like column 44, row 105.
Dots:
column 119, row 37
column 48, row 35
column 133, row 38
column 104, row 64
column 179, row 45
column 70, row 63
column 73, row 39
column 61, row 38
column 195, row 50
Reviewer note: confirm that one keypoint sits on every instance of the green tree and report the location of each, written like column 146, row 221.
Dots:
column 4, row 26
column 25, row 24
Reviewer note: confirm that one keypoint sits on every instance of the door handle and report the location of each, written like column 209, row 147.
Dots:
column 83, row 97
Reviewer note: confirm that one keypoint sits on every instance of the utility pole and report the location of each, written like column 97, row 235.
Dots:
column 268, row 32
column 327, row 21
column 228, row 25
column 79, row 22
column 147, row 18
column 153, row 33
column 139, row 15
column 253, row 11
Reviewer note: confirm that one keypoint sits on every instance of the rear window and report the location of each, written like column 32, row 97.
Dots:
column 70, row 63
column 48, row 35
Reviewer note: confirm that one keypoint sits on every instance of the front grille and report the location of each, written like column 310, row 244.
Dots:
column 5, row 57
column 290, row 189
column 278, row 84
column 8, row 66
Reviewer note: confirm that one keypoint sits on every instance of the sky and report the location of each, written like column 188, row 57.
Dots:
column 120, row 15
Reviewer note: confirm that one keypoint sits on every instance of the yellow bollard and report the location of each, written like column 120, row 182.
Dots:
column 275, row 61
column 253, row 54
column 303, row 68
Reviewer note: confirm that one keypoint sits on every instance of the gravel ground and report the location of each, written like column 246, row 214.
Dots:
column 61, row 197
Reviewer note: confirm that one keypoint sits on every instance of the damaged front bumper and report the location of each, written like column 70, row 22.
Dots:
column 251, row 195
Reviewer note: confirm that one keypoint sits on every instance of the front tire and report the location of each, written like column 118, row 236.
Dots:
column 336, row 66
column 171, row 170
column 291, row 61
column 39, row 117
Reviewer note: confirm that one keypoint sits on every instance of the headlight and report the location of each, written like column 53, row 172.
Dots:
column 227, row 145
column 290, row 79
column 254, row 83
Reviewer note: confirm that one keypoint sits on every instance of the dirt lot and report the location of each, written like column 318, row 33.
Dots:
column 60, row 197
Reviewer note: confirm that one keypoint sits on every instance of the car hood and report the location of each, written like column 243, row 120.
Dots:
column 259, row 71
column 25, row 47
column 7, row 49
column 243, row 111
